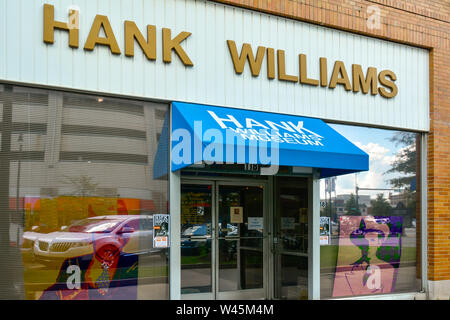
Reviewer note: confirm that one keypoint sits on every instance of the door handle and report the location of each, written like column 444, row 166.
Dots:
column 193, row 238
column 275, row 245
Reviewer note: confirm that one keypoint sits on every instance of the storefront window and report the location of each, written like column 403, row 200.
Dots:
column 83, row 215
column 370, row 233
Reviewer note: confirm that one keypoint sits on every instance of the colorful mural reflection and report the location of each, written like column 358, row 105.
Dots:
column 86, row 247
column 369, row 255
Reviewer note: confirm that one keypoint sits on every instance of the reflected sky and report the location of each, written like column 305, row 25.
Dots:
column 382, row 152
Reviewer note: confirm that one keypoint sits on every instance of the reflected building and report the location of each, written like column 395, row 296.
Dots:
column 80, row 157
column 86, row 147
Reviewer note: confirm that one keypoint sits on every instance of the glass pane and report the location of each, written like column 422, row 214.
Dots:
column 241, row 215
column 291, row 238
column 251, row 251
column 374, row 238
column 240, row 264
column 241, row 211
column 293, row 277
column 79, row 199
column 293, row 223
column 228, row 265
column 196, row 220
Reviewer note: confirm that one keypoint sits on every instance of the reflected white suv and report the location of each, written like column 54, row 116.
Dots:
column 116, row 233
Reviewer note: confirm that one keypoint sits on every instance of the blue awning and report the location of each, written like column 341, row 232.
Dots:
column 202, row 133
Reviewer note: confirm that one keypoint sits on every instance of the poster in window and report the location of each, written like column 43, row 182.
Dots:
column 236, row 214
column 161, row 230
column 324, row 231
column 369, row 255
column 255, row 223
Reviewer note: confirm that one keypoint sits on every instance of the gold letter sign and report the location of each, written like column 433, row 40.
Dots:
column 371, row 81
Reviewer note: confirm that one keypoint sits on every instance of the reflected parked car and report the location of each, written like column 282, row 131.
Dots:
column 105, row 234
column 230, row 231
column 30, row 237
column 195, row 239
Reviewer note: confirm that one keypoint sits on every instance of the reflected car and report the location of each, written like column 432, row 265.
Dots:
column 128, row 234
column 30, row 237
column 195, row 239
column 230, row 231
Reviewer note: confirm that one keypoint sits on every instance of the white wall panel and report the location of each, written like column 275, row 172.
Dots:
column 24, row 57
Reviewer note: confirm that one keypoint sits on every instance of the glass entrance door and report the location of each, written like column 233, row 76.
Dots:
column 240, row 242
column 197, row 272
column 223, row 240
column 290, row 241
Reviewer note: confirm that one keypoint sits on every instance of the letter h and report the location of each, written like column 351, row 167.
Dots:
column 50, row 25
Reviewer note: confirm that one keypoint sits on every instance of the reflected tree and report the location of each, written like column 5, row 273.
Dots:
column 83, row 185
column 405, row 162
column 380, row 206
column 405, row 167
column 351, row 206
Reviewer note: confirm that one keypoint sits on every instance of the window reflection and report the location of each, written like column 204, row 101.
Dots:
column 372, row 246
column 370, row 263
column 80, row 196
column 196, row 231
column 291, row 238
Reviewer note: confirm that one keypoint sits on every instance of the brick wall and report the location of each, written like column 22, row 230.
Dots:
column 415, row 22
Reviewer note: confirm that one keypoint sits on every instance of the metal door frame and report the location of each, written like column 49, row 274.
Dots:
column 267, row 291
